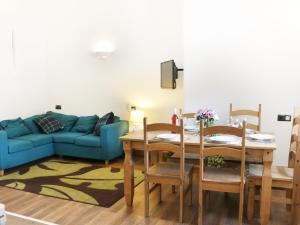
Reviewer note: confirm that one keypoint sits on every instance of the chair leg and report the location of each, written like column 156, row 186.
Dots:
column 295, row 207
column 173, row 189
column 191, row 190
column 1, row 173
column 181, row 205
column 159, row 193
column 207, row 197
column 289, row 195
column 251, row 201
column 241, row 208
column 200, row 207
column 146, row 199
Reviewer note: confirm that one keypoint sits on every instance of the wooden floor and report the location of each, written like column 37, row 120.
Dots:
column 221, row 209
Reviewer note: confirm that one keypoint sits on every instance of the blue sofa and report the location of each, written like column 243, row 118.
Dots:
column 36, row 145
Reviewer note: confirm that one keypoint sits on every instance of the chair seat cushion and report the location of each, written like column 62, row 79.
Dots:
column 66, row 137
column 169, row 169
column 281, row 173
column 88, row 140
column 16, row 145
column 222, row 175
column 37, row 139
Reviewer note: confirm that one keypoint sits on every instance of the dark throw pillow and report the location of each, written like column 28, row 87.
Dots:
column 67, row 120
column 85, row 124
column 49, row 124
column 104, row 120
column 15, row 128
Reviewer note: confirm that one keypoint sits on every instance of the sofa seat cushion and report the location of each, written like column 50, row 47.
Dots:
column 17, row 145
column 37, row 139
column 88, row 140
column 66, row 137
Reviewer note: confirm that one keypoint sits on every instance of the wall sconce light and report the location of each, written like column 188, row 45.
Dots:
column 103, row 49
column 136, row 119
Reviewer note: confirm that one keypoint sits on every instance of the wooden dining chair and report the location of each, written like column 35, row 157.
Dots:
column 190, row 157
column 283, row 178
column 294, row 138
column 228, row 180
column 163, row 172
column 248, row 113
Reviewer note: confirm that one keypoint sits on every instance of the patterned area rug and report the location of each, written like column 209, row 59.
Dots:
column 77, row 181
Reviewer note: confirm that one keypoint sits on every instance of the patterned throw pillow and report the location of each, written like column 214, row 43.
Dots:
column 49, row 124
column 104, row 120
column 67, row 120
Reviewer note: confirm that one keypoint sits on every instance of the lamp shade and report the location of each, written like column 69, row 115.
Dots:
column 136, row 116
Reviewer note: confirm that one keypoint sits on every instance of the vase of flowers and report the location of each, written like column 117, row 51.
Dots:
column 209, row 117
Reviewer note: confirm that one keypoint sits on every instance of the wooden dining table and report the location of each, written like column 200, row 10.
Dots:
column 258, row 151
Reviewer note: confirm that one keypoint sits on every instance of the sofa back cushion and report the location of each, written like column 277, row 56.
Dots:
column 29, row 122
column 49, row 124
column 85, row 124
column 106, row 119
column 67, row 120
column 15, row 128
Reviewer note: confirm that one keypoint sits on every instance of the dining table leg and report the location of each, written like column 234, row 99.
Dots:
column 128, row 174
column 266, row 189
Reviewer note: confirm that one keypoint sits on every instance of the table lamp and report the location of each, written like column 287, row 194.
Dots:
column 136, row 119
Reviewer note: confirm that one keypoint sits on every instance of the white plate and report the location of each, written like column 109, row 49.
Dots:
column 169, row 137
column 250, row 131
column 223, row 139
column 261, row 137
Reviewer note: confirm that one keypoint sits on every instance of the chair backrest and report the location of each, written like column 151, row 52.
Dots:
column 248, row 113
column 160, row 146
column 295, row 134
column 226, row 151
column 188, row 115
column 296, row 175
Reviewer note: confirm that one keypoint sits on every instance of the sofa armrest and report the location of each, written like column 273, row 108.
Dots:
column 3, row 148
column 110, row 139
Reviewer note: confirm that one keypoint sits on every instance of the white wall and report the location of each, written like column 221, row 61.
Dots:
column 22, row 91
column 244, row 52
column 55, row 64
column 145, row 33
